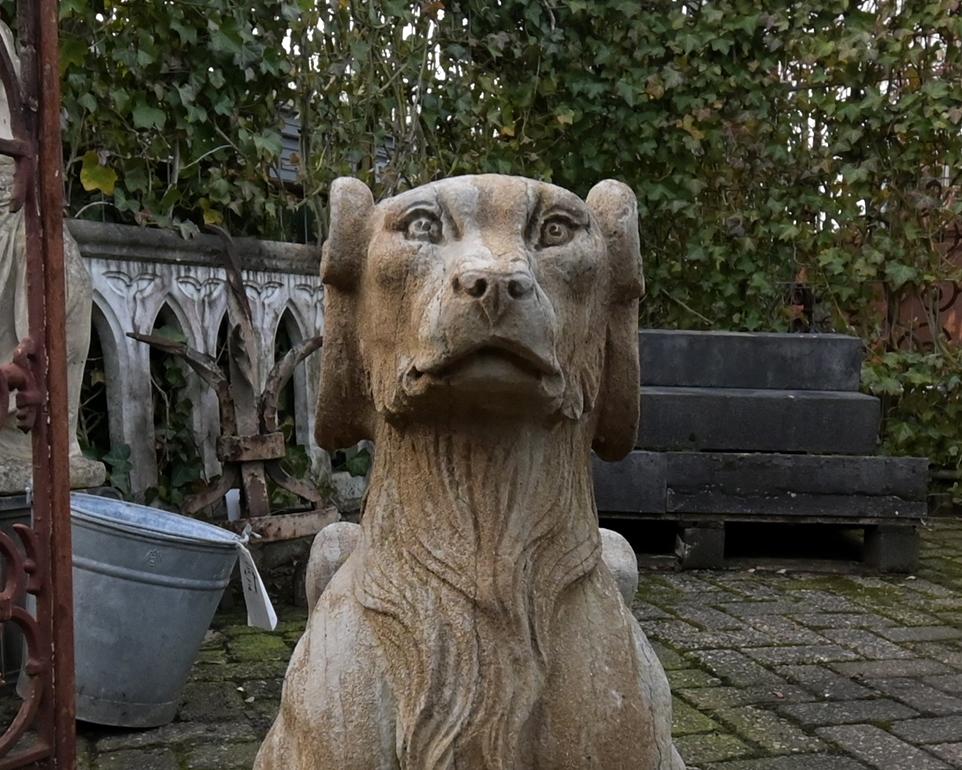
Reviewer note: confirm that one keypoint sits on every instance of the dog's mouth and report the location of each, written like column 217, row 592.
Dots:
column 497, row 358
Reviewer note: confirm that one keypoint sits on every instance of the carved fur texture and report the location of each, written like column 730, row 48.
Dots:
column 483, row 331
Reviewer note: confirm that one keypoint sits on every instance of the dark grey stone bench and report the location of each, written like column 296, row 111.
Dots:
column 725, row 437
column 755, row 420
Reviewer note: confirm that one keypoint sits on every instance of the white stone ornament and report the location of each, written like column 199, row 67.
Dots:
column 16, row 464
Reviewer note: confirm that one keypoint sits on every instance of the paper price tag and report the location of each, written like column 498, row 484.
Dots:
column 260, row 611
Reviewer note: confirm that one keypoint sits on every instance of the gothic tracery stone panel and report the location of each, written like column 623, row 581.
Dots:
column 136, row 272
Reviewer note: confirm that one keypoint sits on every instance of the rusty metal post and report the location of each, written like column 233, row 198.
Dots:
column 51, row 451
column 39, row 373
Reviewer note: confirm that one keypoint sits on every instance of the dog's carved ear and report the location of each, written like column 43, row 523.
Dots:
column 614, row 206
column 343, row 405
column 351, row 205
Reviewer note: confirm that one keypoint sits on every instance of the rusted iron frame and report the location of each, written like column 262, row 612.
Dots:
column 34, row 102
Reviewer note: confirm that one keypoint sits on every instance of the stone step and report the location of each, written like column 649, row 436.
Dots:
column 720, row 359
column 752, row 420
column 747, row 473
column 788, row 506
column 635, row 484
column 674, row 484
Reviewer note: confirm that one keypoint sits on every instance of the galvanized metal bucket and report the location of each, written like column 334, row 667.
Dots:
column 146, row 586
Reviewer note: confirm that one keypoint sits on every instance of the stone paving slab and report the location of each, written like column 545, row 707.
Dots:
column 857, row 671
column 879, row 748
column 770, row 670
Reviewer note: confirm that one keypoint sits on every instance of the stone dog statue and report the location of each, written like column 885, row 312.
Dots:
column 483, row 330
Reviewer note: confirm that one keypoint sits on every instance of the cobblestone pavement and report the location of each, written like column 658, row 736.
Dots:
column 770, row 671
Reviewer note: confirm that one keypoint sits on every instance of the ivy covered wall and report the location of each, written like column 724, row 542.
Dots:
column 783, row 151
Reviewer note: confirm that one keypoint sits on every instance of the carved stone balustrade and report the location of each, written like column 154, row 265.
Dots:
column 136, row 272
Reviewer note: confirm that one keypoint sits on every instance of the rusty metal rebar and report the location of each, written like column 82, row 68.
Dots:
column 57, row 440
column 48, row 708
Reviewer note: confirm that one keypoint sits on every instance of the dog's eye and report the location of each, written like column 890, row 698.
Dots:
column 556, row 231
column 423, row 227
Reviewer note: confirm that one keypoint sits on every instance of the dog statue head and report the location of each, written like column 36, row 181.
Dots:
column 487, row 295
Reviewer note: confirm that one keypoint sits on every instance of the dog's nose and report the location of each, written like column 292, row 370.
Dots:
column 485, row 284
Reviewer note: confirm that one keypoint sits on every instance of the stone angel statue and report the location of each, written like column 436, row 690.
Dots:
column 15, row 446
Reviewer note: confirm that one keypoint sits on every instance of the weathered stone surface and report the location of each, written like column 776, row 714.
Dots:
column 723, row 359
column 668, row 657
column 698, row 602
column 103, row 240
column 218, row 672
column 889, row 669
column 181, row 733
column 689, row 678
column 892, row 549
column 700, row 488
column 136, row 271
column 800, row 654
column 825, row 683
column 701, row 748
column 331, row 547
column 886, row 556
column 867, row 644
column 483, row 331
column 784, row 630
column 152, row 759
column 718, row 419
column 908, row 616
column 819, row 620
column 696, row 585
column 687, row 720
column 257, row 648
column 774, row 734
column 797, row 762
column 236, row 756
column 686, row 635
column 16, row 469
column 769, row 474
column 930, row 729
column 951, row 683
column 635, row 484
column 210, row 702
column 920, row 696
column 950, row 752
column 879, row 748
column 847, row 712
column 620, row 559
column 927, row 587
column 714, row 698
column 749, row 609
column 706, row 617
column 947, row 653
column 737, row 669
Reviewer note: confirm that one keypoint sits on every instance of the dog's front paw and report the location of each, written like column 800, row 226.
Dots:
column 621, row 561
column 330, row 549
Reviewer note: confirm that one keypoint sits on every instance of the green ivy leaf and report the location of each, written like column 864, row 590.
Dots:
column 95, row 176
column 900, row 274
column 146, row 116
